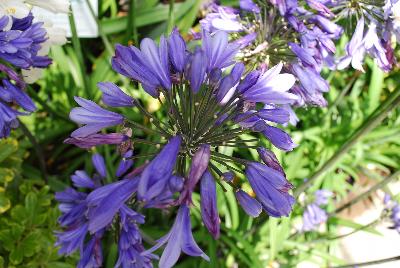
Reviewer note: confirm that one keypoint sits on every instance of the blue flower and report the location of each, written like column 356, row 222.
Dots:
column 271, row 189
column 208, row 202
column 156, row 175
column 113, row 96
column 314, row 215
column 270, row 87
column 250, row 205
column 179, row 238
column 93, row 117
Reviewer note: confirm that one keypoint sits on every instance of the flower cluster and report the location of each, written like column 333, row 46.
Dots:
column 314, row 215
column 284, row 31
column 24, row 45
column 209, row 103
column 303, row 34
column 382, row 19
column 86, row 217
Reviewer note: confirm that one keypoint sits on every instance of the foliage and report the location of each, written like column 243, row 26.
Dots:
column 29, row 213
column 28, row 217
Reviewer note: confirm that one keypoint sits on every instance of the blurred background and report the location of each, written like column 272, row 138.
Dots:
column 35, row 163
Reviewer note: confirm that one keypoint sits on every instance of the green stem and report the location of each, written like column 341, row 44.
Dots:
column 103, row 36
column 342, row 94
column 360, row 264
column 131, row 27
column 369, row 124
column 171, row 16
column 360, row 197
column 36, row 147
column 78, row 50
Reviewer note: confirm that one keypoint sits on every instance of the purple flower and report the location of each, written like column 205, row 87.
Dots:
column 224, row 19
column 313, row 216
column 105, row 202
column 82, row 179
column 279, row 138
column 156, row 175
column 73, row 207
column 320, row 7
column 322, row 197
column 125, row 164
column 395, row 217
column 93, row 117
column 277, row 115
column 327, row 25
column 20, row 45
column 177, row 51
column 149, row 65
column 270, row 88
column 218, row 50
column 8, row 120
column 271, row 189
column 100, row 165
column 179, row 238
column 130, row 247
column 355, row 50
column 304, row 55
column 375, row 48
column 196, row 69
column 199, row 165
column 11, row 93
column 250, row 205
column 97, row 139
column 208, row 201
column 312, row 85
column 113, row 96
column 246, row 40
column 269, row 158
column 249, row 5
column 228, row 84
column 71, row 240
column 92, row 255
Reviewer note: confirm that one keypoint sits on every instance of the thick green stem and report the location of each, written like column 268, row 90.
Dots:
column 131, row 27
column 78, row 50
column 171, row 16
column 374, row 120
column 364, row 195
column 103, row 36
column 360, row 264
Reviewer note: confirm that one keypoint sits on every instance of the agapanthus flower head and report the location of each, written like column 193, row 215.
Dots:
column 24, row 45
column 208, row 102
column 86, row 217
column 285, row 33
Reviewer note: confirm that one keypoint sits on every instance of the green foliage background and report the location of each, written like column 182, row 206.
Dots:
column 27, row 206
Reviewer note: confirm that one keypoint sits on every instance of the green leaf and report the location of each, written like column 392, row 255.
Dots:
column 31, row 244
column 7, row 147
column 5, row 203
column 352, row 224
column 7, row 241
column 31, row 206
column 16, row 256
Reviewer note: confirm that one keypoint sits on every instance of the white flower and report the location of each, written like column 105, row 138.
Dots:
column 56, row 37
column 55, row 6
column 13, row 8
